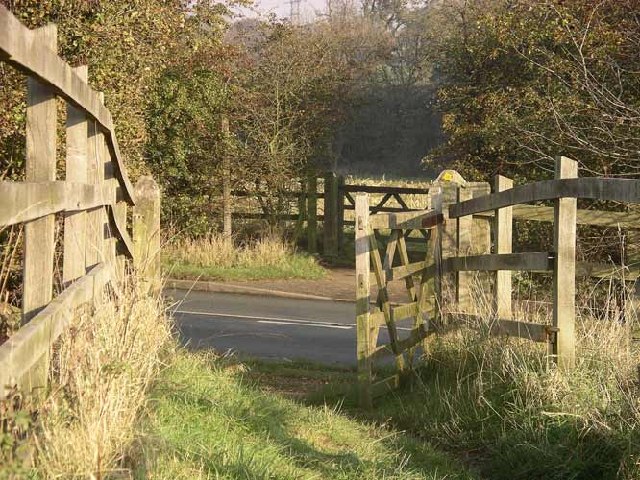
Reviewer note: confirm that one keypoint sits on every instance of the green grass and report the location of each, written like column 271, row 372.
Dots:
column 496, row 405
column 214, row 257
column 297, row 266
column 211, row 418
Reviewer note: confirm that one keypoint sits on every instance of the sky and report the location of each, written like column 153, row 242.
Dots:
column 282, row 8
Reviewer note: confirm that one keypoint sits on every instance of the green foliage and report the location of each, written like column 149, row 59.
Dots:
column 523, row 81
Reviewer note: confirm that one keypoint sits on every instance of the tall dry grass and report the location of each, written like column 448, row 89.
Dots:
column 102, row 370
column 214, row 250
column 503, row 398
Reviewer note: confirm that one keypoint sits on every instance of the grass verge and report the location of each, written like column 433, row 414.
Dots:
column 217, row 259
column 211, row 419
column 496, row 403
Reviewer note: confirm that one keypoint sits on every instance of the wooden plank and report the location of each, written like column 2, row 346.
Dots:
column 383, row 298
column 604, row 270
column 363, row 297
column 535, row 332
column 605, row 189
column 564, row 272
column 124, row 248
column 340, row 212
column 146, row 232
column 464, row 279
column 413, row 293
column 503, row 245
column 40, row 166
column 312, row 213
column 27, row 347
column 407, row 310
column 420, row 219
column 330, row 224
column 28, row 51
column 529, row 261
column 404, row 271
column 385, row 386
column 386, row 209
column 598, row 218
column 97, row 217
column 227, row 206
column 404, row 260
column 392, row 246
column 381, row 203
column 26, row 201
column 431, row 297
column 385, row 189
column 401, row 202
column 74, row 261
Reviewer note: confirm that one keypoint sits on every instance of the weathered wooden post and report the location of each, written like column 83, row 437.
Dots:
column 40, row 166
column 74, row 258
column 330, row 227
column 450, row 181
column 564, row 271
column 363, row 321
column 106, row 173
column 312, row 212
column 227, row 207
column 436, row 242
column 340, row 213
column 146, row 232
column 94, row 251
column 503, row 244
column 39, row 241
column 464, row 280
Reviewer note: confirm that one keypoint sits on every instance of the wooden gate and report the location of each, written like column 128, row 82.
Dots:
column 393, row 265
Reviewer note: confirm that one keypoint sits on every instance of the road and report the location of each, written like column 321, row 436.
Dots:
column 268, row 327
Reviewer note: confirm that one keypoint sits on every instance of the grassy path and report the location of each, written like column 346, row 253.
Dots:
column 211, row 419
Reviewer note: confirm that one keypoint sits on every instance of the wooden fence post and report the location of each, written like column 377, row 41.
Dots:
column 438, row 230
column 564, row 272
column 312, row 213
column 448, row 241
column 105, row 172
column 464, row 230
column 39, row 242
column 226, row 183
column 340, row 213
column 363, row 322
column 146, row 232
column 429, row 300
column 330, row 226
column 94, row 251
column 503, row 244
column 74, row 259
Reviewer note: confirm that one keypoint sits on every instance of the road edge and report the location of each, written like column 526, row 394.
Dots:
column 220, row 287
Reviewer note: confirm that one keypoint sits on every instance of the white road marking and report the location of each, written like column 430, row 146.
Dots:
column 309, row 324
column 279, row 320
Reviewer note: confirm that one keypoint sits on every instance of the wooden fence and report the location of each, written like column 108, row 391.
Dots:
column 337, row 197
column 472, row 231
column 91, row 203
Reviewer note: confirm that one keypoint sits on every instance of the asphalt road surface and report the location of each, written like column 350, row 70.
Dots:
column 268, row 327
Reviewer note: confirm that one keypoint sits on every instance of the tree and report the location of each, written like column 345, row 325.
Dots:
column 522, row 81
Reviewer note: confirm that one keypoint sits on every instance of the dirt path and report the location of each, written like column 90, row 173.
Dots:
column 339, row 284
